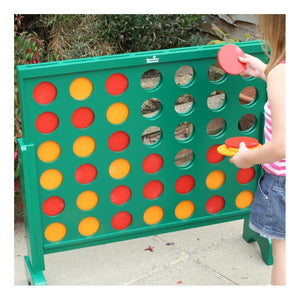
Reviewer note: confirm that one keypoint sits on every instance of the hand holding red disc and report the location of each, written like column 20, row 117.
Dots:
column 228, row 58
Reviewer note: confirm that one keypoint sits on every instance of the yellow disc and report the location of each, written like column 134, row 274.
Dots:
column 51, row 179
column 87, row 200
column 119, row 168
column 81, row 88
column 153, row 215
column 224, row 150
column 117, row 113
column 88, row 226
column 84, row 146
column 215, row 179
column 48, row 151
column 244, row 199
column 55, row 232
column 184, row 209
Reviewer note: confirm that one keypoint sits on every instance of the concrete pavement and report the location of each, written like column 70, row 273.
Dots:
column 210, row 255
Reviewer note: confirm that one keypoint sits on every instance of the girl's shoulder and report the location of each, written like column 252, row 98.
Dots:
column 277, row 73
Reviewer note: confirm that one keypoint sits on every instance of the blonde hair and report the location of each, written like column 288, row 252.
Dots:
column 273, row 32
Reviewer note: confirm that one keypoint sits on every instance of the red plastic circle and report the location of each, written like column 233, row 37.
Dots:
column 153, row 189
column 121, row 220
column 152, row 163
column 184, row 184
column 53, row 206
column 213, row 156
column 234, row 142
column 46, row 122
column 244, row 176
column 44, row 92
column 116, row 84
column 85, row 173
column 118, row 141
column 214, row 204
column 120, row 194
column 228, row 59
column 82, row 117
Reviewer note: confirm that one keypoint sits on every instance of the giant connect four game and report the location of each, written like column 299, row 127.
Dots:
column 124, row 146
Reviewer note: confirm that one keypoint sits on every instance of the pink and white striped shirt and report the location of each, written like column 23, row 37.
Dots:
column 276, row 168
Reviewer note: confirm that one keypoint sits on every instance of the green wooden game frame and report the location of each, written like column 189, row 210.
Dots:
column 133, row 65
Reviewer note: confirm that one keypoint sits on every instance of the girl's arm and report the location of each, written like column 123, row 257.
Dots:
column 273, row 150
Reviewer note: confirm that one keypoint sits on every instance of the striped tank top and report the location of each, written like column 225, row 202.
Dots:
column 279, row 167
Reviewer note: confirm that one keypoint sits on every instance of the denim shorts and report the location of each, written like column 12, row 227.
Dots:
column 267, row 215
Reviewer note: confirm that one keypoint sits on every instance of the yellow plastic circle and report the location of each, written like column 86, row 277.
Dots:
column 117, row 113
column 87, row 200
column 81, row 88
column 119, row 168
column 244, row 199
column 88, row 226
column 184, row 209
column 55, row 232
column 153, row 215
column 48, row 151
column 51, row 179
column 84, row 146
column 215, row 179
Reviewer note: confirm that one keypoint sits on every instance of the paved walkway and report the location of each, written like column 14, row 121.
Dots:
column 211, row 255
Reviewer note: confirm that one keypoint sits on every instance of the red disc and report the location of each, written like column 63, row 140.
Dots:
column 82, row 117
column 44, row 92
column 228, row 58
column 184, row 184
column 116, row 84
column 214, row 204
column 245, row 175
column 152, row 163
column 213, row 156
column 46, row 122
column 153, row 189
column 118, row 141
column 234, row 142
column 53, row 206
column 120, row 194
column 85, row 173
column 121, row 220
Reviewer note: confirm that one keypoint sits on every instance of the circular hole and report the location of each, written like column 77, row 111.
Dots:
column 88, row 226
column 82, row 117
column 151, row 135
column 150, row 79
column 216, row 99
column 184, row 158
column 215, row 72
column 215, row 179
column 46, row 122
column 151, row 108
column 184, row 209
column 85, row 173
column 117, row 113
column 184, row 103
column 184, row 75
column 53, row 206
column 81, row 88
column 216, row 126
column 244, row 199
column 118, row 141
column 48, row 151
column 119, row 168
column 247, row 95
column 184, row 131
column 153, row 189
column 121, row 220
column 120, row 194
column 84, row 146
column 244, row 176
column 247, row 122
column 51, row 179
column 116, row 84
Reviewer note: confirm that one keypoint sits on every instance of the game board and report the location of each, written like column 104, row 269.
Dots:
column 90, row 177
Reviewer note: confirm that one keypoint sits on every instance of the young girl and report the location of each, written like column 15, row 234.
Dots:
column 268, row 208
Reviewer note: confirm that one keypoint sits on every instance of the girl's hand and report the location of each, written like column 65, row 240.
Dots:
column 254, row 66
column 240, row 158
